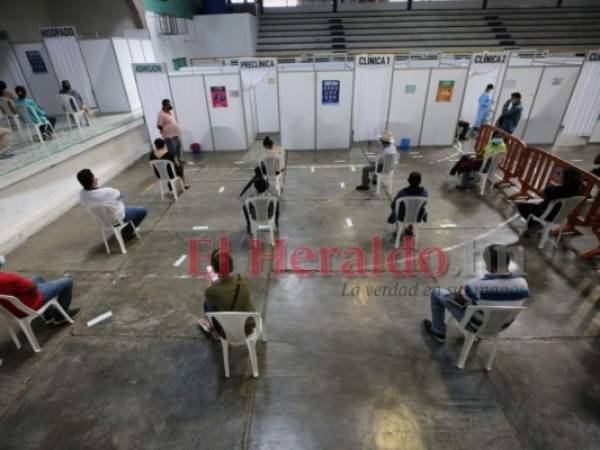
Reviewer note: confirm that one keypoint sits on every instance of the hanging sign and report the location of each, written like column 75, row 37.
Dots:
column 53, row 32
column 490, row 58
column 257, row 63
column 219, row 96
column 445, row 91
column 148, row 68
column 374, row 60
column 330, row 92
column 36, row 61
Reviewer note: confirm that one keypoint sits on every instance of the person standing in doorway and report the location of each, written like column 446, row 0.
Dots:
column 484, row 104
column 511, row 113
column 169, row 129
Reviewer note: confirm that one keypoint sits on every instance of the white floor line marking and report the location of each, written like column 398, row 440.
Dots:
column 450, row 157
column 453, row 160
column 191, row 163
column 238, row 162
column 448, row 225
column 100, row 318
column 415, row 153
column 371, row 153
column 340, row 161
column 200, row 227
column 353, row 168
column 577, row 160
column 221, row 189
column 343, row 185
column 181, row 259
column 349, row 223
column 417, row 156
column 312, row 169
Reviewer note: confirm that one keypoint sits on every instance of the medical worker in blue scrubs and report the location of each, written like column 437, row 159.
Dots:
column 485, row 103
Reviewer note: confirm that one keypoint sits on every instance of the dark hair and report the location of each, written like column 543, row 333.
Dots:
column 159, row 143
column 414, row 179
column 217, row 257
column 516, row 95
column 260, row 184
column 2, row 87
column 572, row 181
column 267, row 142
column 489, row 86
column 21, row 91
column 165, row 102
column 86, row 178
column 66, row 85
column 496, row 257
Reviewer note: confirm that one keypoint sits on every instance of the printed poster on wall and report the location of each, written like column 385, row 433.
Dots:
column 410, row 88
column 445, row 91
column 219, row 96
column 330, row 92
column 36, row 61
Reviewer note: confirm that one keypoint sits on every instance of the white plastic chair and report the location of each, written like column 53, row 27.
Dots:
column 271, row 170
column 487, row 171
column 457, row 143
column 233, row 324
column 25, row 322
column 262, row 220
column 167, row 184
column 73, row 111
column 412, row 206
column 486, row 323
column 12, row 118
column 109, row 223
column 386, row 176
column 25, row 114
column 565, row 208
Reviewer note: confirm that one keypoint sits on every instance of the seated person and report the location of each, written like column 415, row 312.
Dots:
column 91, row 194
column 5, row 142
column 571, row 186
column 161, row 152
column 498, row 287
column 68, row 90
column 35, row 293
column 387, row 141
column 227, row 293
column 274, row 150
column 261, row 188
column 6, row 94
column 414, row 189
column 472, row 163
column 596, row 170
column 37, row 114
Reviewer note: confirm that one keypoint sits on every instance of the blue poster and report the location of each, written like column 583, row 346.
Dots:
column 36, row 61
column 330, row 92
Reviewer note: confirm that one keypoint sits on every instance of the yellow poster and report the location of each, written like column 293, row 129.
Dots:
column 445, row 90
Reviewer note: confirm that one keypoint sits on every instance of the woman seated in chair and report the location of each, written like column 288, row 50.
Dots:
column 414, row 189
column 36, row 113
column 160, row 152
column 68, row 90
column 261, row 187
column 571, row 187
column 274, row 150
column 472, row 163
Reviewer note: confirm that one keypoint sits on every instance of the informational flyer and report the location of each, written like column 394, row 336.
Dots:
column 410, row 88
column 445, row 91
column 219, row 96
column 330, row 92
column 36, row 61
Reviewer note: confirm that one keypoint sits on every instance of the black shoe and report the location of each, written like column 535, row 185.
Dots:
column 61, row 320
column 460, row 187
column 362, row 188
column 441, row 338
column 374, row 182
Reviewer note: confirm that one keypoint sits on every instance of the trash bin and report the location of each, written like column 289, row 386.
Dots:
column 404, row 144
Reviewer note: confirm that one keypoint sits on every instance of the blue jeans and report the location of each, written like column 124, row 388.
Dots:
column 440, row 302
column 61, row 288
column 135, row 214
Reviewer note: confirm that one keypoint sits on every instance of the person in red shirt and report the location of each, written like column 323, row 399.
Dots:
column 36, row 292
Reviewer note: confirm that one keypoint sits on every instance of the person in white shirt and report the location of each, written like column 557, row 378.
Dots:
column 91, row 194
column 387, row 141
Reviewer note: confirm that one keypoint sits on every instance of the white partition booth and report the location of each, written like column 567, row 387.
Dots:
column 153, row 86
column 261, row 94
column 297, row 102
column 334, row 108
column 125, row 62
column 10, row 72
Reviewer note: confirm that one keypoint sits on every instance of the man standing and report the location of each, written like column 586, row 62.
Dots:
column 387, row 141
column 169, row 129
column 484, row 104
column 511, row 113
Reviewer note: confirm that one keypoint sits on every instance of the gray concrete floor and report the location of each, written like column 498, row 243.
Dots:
column 340, row 371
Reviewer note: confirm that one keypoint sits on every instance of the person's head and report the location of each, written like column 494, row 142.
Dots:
column 386, row 138
column 2, row 261
column 159, row 144
column 87, row 179
column 496, row 139
column 2, row 87
column 66, row 85
column 414, row 179
column 489, row 87
column 267, row 143
column 515, row 97
column 572, row 180
column 497, row 258
column 221, row 262
column 21, row 92
column 166, row 105
column 261, row 185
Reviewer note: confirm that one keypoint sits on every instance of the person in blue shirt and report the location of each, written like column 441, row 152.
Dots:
column 414, row 189
column 485, row 103
column 37, row 114
column 511, row 113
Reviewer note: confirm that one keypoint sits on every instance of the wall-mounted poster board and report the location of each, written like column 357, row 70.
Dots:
column 153, row 86
column 226, row 109
column 444, row 99
column 297, row 100
column 189, row 103
column 407, row 103
column 334, row 109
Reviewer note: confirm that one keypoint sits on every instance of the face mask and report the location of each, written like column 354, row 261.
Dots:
column 496, row 141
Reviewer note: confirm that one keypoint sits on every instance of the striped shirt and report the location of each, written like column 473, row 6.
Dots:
column 497, row 289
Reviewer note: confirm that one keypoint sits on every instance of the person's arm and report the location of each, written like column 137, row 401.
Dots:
column 247, row 187
column 160, row 122
column 24, row 286
column 505, row 110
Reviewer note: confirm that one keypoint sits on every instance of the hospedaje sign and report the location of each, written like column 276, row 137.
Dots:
column 54, row 32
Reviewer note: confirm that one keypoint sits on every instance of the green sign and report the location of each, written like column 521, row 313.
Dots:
column 176, row 8
column 145, row 68
column 178, row 63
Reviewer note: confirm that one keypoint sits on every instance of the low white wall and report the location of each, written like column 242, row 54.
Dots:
column 29, row 205
column 215, row 35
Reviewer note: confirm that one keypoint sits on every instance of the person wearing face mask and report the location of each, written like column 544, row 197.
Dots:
column 484, row 104
column 511, row 113
column 169, row 129
column 471, row 163
column 387, row 142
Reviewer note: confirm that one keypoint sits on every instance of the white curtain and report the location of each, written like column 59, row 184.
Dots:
column 251, row 79
column 68, row 63
column 584, row 108
column 153, row 88
column 372, row 90
column 10, row 72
